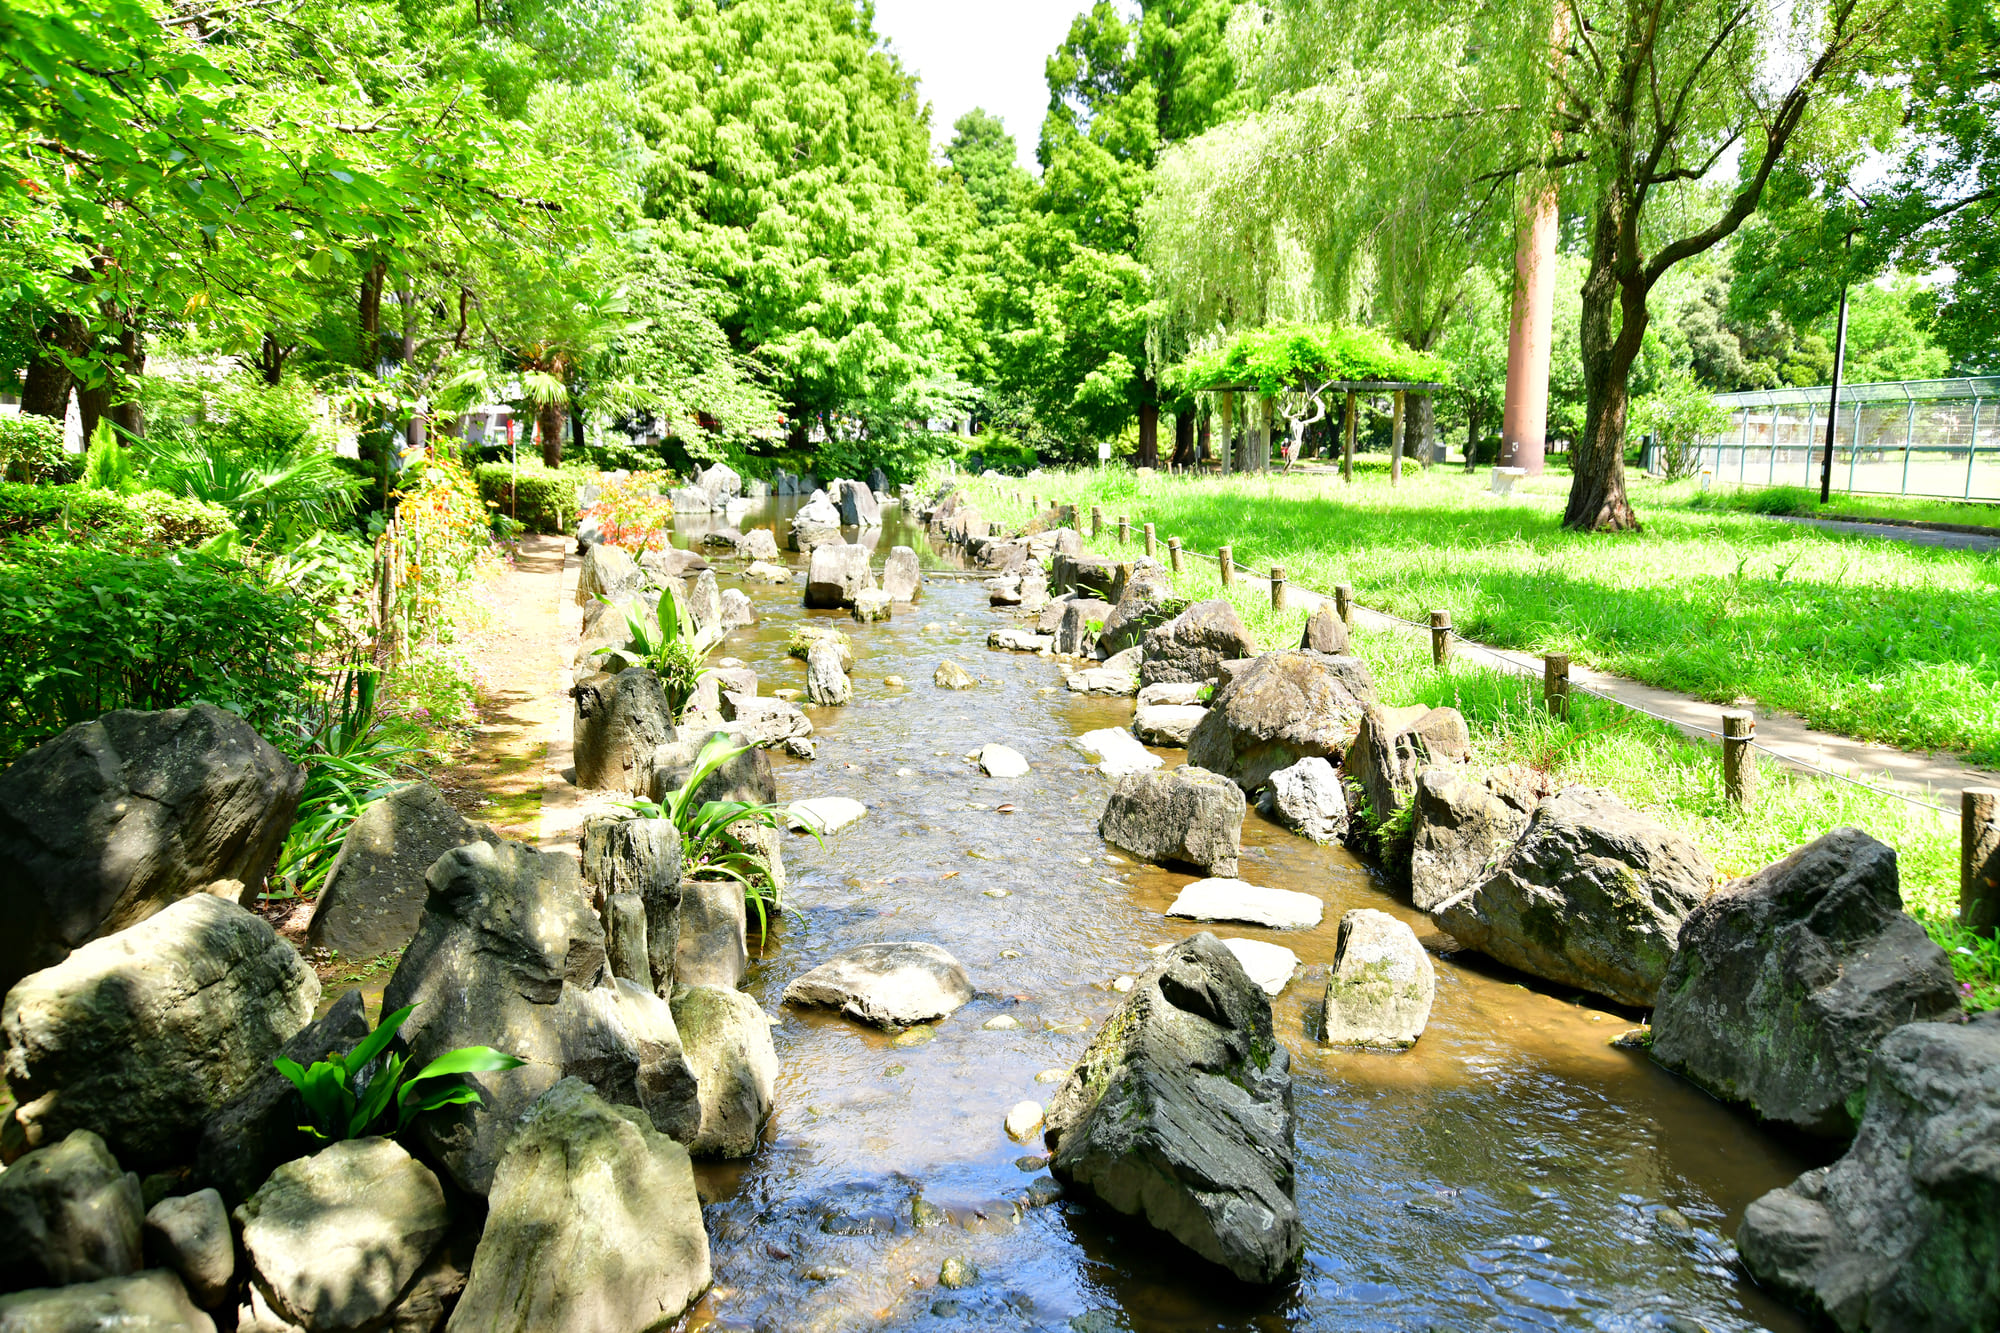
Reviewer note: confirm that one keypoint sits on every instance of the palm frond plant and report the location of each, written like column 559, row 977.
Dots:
column 671, row 653
column 350, row 764
column 713, row 845
column 299, row 481
column 369, row 1091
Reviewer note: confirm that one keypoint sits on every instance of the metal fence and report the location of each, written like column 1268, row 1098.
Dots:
column 1916, row 437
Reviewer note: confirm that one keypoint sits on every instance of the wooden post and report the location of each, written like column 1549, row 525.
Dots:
column 1396, row 441
column 1124, row 530
column 1096, row 521
column 1347, row 445
column 1739, row 765
column 1149, row 539
column 1228, row 430
column 1555, row 685
column 1440, row 637
column 1343, row 602
column 1277, row 587
column 1035, row 503
column 1225, row 560
column 1979, row 859
column 1174, row 553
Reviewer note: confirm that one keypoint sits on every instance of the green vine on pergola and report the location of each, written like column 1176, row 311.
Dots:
column 1272, row 360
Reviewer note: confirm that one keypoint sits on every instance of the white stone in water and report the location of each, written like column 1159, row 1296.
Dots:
column 1052, row 1076
column 1239, row 900
column 1001, row 1023
column 1269, row 965
column 825, row 814
column 1000, row 761
column 1117, row 751
column 1024, row 1119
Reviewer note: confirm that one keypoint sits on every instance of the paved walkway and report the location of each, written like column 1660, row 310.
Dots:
column 1896, row 532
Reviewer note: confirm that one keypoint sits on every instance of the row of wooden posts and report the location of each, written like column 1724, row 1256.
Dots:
column 1979, row 815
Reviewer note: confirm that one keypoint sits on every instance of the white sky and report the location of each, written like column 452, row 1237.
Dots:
column 969, row 53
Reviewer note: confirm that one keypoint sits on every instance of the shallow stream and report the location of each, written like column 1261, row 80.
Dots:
column 1513, row 1171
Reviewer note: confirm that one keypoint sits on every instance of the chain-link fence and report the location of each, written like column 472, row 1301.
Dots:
column 1915, row 437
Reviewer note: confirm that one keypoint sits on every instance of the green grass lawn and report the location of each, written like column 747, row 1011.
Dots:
column 1877, row 640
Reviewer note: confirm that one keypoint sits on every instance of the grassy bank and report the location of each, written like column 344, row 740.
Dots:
column 1877, row 640
column 1649, row 764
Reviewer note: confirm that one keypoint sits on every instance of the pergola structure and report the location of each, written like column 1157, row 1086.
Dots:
column 1260, row 439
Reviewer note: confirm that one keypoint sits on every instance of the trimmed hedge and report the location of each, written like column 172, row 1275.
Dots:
column 150, row 521
column 542, row 498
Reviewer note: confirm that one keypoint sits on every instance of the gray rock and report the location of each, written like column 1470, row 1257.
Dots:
column 242, row 1143
column 625, row 948
column 1019, row 641
column 758, row 544
column 1308, row 799
column 728, row 1045
column 149, row 1302
column 620, row 721
column 951, row 676
column 1001, row 761
column 1145, row 603
column 1226, row 899
column 640, row 859
column 902, row 577
column 1192, row 647
column 1592, row 896
column 1088, row 575
column 1898, row 1234
column 1381, row 985
column 190, row 1234
column 857, row 504
column 728, row 537
column 143, row 1035
column 1325, row 632
column 509, row 954
column 816, row 524
column 1115, row 752
column 607, row 572
column 836, row 574
column 1034, row 589
column 871, row 605
column 1049, row 619
column 719, row 481
column 889, row 985
column 1185, row 816
column 878, row 481
column 68, row 1213
column 702, row 604
column 1275, row 710
column 1785, row 981
column 1175, row 694
column 765, row 572
column 760, row 722
column 1180, row 1113
column 670, row 562
column 1461, row 828
column 826, row 683
column 375, row 891
column 332, row 1240
column 1116, row 679
column 608, row 625
column 1074, row 635
column 712, row 933
column 1167, row 725
column 1004, row 591
column 736, row 609
column 112, row 820
column 1393, row 743
column 593, row 1223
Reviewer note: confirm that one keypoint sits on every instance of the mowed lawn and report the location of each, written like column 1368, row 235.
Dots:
column 1873, row 639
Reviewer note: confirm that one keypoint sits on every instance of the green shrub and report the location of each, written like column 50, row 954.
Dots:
column 85, row 630
column 31, row 449
column 150, row 522
column 542, row 498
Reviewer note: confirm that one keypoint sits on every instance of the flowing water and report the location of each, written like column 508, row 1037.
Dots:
column 1513, row 1171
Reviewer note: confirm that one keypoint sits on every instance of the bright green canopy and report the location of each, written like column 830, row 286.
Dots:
column 1271, row 360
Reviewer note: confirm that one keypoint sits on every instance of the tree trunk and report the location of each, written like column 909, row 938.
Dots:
column 124, row 409
column 371, row 312
column 549, row 423
column 576, row 431
column 45, row 388
column 1613, row 327
column 1421, row 430
column 1149, row 435
column 271, row 358
column 1184, row 438
column 1203, row 442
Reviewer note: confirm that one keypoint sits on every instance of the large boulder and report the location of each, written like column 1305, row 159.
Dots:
column 1193, row 645
column 243, row 1142
column 857, row 505
column 1381, row 985
column 1785, row 981
column 816, row 524
column 889, row 985
column 593, row 1224
column 375, row 891
column 1186, row 816
column 149, row 1302
column 711, row 934
column 1086, row 575
column 608, row 572
column 902, row 576
column 190, row 1234
column 1325, row 631
column 1308, row 799
column 826, row 683
column 728, row 1044
column 1461, row 826
column 1592, row 896
column 1180, row 1114
column 702, row 602
column 1272, row 711
column 1167, row 725
column 69, row 1213
column 1146, row 602
column 737, row 613
column 608, row 624
column 835, row 574
column 878, row 481
column 509, row 954
column 112, row 820
column 1898, row 1235
column 1392, row 744
column 641, row 859
column 758, row 544
column 620, row 721
column 1075, row 635
column 335, row 1240
column 720, row 482
column 142, row 1035
column 671, row 562
column 1225, row 899
column 758, row 721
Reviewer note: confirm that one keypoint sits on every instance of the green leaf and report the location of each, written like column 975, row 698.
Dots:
column 376, row 1042
column 466, row 1060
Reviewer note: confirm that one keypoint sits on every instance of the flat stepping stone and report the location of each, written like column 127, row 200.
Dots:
column 1000, row 761
column 824, row 814
column 1239, row 900
column 1269, row 965
column 889, row 985
column 1116, row 752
